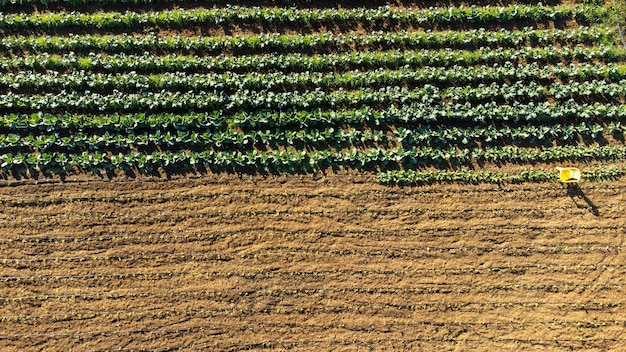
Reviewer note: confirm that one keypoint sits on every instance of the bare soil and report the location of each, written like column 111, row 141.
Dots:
column 341, row 263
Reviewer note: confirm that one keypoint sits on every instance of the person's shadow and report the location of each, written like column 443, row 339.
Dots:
column 574, row 191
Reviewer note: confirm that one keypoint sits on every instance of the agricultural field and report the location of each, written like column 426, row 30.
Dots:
column 299, row 175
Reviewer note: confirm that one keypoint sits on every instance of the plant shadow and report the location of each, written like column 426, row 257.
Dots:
column 575, row 192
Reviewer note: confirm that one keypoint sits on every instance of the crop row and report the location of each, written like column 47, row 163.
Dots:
column 203, row 101
column 298, row 43
column 183, row 18
column 408, row 113
column 413, row 177
column 394, row 59
column 530, row 133
column 8, row 3
column 301, row 161
column 167, row 101
column 229, row 139
column 206, row 139
column 304, row 81
column 303, row 119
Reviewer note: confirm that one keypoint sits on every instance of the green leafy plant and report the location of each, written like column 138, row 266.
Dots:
column 619, row 8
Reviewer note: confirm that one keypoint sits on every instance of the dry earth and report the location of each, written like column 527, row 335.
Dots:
column 341, row 263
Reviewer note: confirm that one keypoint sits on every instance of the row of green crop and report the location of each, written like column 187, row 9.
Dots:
column 341, row 138
column 77, row 101
column 412, row 177
column 184, row 18
column 394, row 59
column 416, row 113
column 302, row 119
column 7, row 3
column 530, row 133
column 301, row 161
column 272, row 42
column 207, row 139
column 202, row 101
column 524, row 77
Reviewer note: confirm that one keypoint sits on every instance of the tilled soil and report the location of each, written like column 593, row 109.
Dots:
column 341, row 263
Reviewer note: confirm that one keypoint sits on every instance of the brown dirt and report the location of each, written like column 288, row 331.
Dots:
column 341, row 263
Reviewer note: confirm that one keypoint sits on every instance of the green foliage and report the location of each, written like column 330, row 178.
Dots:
column 391, row 59
column 412, row 177
column 300, row 161
column 299, row 103
column 182, row 92
column 293, row 119
column 619, row 8
column 6, row 3
column 525, row 85
column 300, row 17
column 263, row 43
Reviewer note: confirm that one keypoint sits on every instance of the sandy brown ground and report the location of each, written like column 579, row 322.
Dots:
column 338, row 263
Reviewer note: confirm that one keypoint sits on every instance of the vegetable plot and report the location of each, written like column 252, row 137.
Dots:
column 447, row 89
